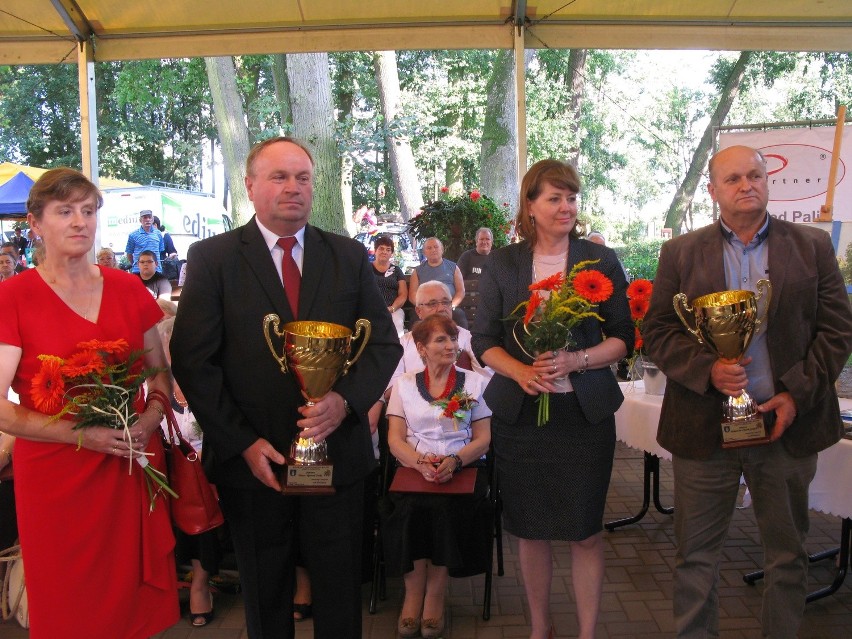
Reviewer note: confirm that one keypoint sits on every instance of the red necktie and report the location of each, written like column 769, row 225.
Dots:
column 290, row 273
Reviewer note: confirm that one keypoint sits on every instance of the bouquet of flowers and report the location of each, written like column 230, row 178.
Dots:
column 456, row 405
column 96, row 386
column 639, row 298
column 548, row 320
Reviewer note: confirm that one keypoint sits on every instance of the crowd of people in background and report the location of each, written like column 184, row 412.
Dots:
column 441, row 397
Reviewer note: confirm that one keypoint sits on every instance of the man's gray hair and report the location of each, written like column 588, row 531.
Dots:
column 420, row 295
column 484, row 229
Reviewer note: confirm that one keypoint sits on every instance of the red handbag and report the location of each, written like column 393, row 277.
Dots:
column 196, row 510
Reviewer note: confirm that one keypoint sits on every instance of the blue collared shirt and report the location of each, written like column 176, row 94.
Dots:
column 744, row 266
column 139, row 241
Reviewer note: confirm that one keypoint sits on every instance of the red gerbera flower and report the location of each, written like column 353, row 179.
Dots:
column 475, row 195
column 593, row 285
column 552, row 283
column 452, row 406
column 445, row 189
column 638, row 307
column 532, row 306
column 82, row 363
column 640, row 289
column 48, row 387
column 112, row 347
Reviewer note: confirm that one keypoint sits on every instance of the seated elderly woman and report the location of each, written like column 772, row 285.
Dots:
column 438, row 422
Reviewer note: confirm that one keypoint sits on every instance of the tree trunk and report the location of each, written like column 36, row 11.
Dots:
column 313, row 123
column 233, row 131
column 282, row 88
column 683, row 198
column 403, row 169
column 498, row 155
column 577, row 80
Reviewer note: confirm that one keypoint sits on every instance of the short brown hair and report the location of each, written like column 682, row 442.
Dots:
column 428, row 326
column 554, row 172
column 260, row 146
column 383, row 240
column 61, row 184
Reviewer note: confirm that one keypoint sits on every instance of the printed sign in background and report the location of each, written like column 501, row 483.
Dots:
column 797, row 161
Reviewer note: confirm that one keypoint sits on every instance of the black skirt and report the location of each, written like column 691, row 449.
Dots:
column 450, row 530
column 553, row 478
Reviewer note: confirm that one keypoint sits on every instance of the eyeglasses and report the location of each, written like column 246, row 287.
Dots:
column 436, row 303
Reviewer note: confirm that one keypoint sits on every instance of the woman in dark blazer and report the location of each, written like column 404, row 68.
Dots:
column 553, row 478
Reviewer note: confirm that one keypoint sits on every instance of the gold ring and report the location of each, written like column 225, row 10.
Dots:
column 530, row 381
column 537, row 377
column 554, row 368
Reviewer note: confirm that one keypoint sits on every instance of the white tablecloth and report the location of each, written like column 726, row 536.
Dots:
column 636, row 425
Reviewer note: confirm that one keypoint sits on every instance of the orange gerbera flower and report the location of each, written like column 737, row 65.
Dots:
column 48, row 386
column 638, row 307
column 640, row 289
column 532, row 306
column 112, row 347
column 83, row 363
column 552, row 283
column 593, row 285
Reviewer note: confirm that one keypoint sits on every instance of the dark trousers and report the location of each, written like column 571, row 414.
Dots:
column 263, row 527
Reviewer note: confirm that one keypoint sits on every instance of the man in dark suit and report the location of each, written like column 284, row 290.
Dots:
column 250, row 412
column 789, row 369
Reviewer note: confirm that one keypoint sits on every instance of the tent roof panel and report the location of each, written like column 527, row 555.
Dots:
column 34, row 31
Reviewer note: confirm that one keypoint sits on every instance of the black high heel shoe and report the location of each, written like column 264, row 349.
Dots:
column 302, row 611
column 201, row 619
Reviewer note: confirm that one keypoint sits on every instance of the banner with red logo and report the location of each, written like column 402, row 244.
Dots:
column 797, row 161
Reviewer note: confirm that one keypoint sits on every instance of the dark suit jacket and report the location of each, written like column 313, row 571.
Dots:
column 505, row 283
column 221, row 360
column 809, row 337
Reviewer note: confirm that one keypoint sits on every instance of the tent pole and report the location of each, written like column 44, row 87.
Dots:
column 88, row 111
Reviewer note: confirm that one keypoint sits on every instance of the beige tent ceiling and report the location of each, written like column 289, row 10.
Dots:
column 46, row 31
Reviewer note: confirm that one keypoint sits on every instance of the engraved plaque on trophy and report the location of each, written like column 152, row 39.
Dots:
column 726, row 322
column 315, row 353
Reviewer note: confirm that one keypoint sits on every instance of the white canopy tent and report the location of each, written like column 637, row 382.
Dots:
column 85, row 31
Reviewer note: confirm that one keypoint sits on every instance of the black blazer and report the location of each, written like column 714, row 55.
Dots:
column 221, row 360
column 504, row 284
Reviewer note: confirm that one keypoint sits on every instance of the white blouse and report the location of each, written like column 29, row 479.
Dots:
column 427, row 430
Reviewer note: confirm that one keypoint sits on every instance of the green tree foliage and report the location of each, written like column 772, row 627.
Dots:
column 152, row 118
column 40, row 115
column 640, row 258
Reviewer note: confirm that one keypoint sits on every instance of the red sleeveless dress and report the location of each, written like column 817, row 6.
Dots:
column 98, row 564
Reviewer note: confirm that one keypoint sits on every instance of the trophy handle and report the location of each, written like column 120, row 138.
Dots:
column 681, row 301
column 368, row 328
column 273, row 319
column 764, row 289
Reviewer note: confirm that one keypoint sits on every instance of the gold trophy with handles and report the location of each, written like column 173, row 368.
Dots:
column 315, row 353
column 726, row 322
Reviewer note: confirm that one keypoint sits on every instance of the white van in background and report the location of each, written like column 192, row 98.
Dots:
column 188, row 216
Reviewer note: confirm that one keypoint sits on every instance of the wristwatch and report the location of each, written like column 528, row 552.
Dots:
column 347, row 407
column 458, row 463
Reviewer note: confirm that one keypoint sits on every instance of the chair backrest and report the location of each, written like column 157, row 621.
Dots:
column 471, row 299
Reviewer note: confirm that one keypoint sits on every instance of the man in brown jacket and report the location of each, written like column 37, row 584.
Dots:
column 789, row 369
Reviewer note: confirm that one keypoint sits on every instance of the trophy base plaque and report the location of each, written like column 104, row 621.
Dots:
column 744, row 432
column 305, row 479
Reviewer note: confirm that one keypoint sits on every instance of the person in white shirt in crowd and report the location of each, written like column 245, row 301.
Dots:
column 432, row 297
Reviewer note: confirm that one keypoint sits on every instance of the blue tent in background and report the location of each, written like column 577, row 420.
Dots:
column 13, row 195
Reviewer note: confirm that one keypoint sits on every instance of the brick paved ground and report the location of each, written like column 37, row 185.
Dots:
column 637, row 592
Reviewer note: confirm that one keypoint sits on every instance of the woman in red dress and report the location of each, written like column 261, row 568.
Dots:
column 99, row 562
